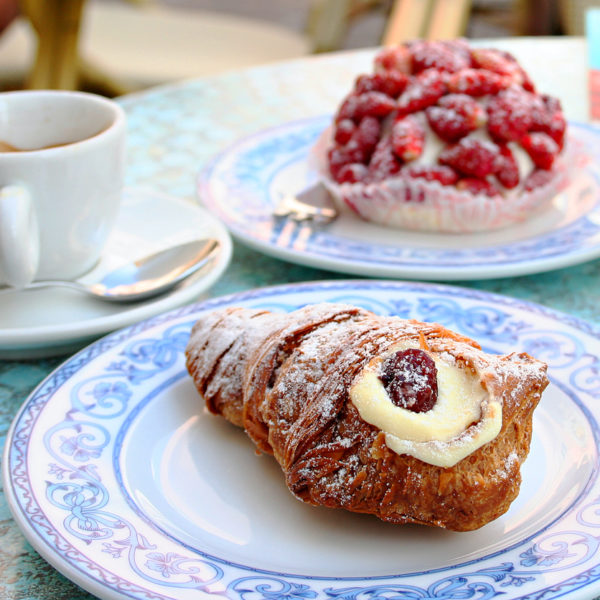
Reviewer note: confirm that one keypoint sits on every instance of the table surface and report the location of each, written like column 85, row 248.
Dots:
column 174, row 131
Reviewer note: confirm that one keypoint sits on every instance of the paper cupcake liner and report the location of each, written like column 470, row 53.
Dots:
column 421, row 205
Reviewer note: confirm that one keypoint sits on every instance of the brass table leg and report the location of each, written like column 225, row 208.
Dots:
column 57, row 24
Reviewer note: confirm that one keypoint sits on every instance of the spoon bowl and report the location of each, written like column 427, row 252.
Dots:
column 146, row 277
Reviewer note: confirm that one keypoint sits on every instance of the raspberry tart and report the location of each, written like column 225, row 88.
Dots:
column 443, row 136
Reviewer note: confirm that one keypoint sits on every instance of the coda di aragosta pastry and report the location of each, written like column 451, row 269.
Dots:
column 443, row 136
column 401, row 419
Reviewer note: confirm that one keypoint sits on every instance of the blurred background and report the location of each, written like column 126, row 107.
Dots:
column 120, row 46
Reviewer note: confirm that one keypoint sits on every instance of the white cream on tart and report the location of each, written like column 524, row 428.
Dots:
column 463, row 417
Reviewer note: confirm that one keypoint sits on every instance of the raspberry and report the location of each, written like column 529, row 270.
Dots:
column 447, row 123
column 466, row 106
column 347, row 108
column 375, row 104
column 367, row 134
column 471, row 157
column 424, row 90
column 537, row 108
column 390, row 83
column 477, row 82
column 538, row 178
column 343, row 131
column 455, row 116
column 384, row 162
column 410, row 379
column 432, row 78
column 366, row 83
column 508, row 173
column 442, row 174
column 396, row 58
column 549, row 119
column 551, row 103
column 478, row 186
column 498, row 62
column 556, row 128
column 461, row 47
column 541, row 148
column 408, row 138
column 510, row 114
column 355, row 144
column 436, row 55
column 342, row 155
column 503, row 63
column 527, row 84
column 352, row 173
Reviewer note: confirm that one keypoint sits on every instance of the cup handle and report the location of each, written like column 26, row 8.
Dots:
column 19, row 236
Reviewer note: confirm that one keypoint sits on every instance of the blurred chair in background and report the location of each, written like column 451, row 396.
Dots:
column 432, row 20
column 537, row 17
column 329, row 20
column 119, row 47
column 57, row 25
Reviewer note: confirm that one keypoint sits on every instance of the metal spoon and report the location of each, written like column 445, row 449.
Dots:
column 143, row 278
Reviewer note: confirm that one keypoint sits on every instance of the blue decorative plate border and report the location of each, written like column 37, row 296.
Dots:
column 238, row 187
column 93, row 397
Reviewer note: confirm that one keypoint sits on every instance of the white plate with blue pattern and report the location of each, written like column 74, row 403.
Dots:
column 243, row 185
column 122, row 481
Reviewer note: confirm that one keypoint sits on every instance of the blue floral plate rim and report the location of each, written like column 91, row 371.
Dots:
column 243, row 183
column 70, row 522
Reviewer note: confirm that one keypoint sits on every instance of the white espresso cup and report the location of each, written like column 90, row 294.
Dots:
column 61, row 181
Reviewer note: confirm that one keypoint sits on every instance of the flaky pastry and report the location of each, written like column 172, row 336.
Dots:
column 401, row 419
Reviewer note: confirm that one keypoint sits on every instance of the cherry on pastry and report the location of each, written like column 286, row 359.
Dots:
column 410, row 379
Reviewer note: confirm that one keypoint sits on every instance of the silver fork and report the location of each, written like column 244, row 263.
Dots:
column 312, row 204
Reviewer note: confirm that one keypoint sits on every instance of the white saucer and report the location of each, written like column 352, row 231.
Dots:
column 48, row 322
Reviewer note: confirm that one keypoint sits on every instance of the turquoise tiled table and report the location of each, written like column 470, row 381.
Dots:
column 173, row 131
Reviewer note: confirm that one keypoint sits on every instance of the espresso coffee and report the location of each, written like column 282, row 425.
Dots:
column 6, row 147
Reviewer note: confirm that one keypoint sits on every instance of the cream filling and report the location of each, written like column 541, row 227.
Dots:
column 463, row 419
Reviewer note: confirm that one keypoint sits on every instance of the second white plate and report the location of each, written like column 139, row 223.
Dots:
column 122, row 480
column 243, row 185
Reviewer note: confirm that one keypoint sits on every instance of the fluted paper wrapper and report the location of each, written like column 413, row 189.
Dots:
column 417, row 204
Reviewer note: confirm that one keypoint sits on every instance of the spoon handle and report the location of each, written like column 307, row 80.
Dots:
column 144, row 278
